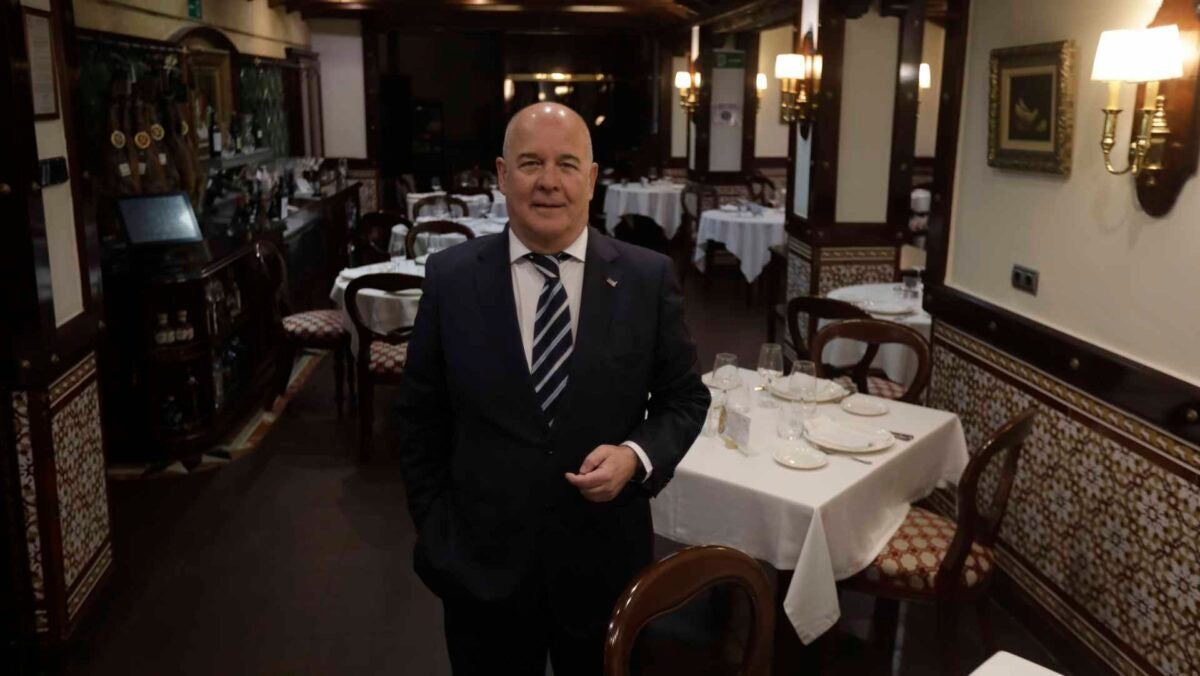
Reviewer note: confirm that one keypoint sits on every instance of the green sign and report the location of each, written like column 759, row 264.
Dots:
column 731, row 59
column 195, row 10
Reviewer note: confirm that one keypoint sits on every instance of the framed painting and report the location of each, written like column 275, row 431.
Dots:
column 1031, row 113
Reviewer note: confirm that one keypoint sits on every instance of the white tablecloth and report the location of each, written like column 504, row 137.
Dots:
column 381, row 310
column 1008, row 664
column 431, row 242
column 478, row 205
column 899, row 362
column 659, row 200
column 826, row 524
column 747, row 236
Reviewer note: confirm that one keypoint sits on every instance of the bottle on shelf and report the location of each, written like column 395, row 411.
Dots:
column 163, row 333
column 214, row 134
column 183, row 329
column 235, row 132
column 235, row 298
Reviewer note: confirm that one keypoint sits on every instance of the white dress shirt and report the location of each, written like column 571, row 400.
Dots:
column 527, row 286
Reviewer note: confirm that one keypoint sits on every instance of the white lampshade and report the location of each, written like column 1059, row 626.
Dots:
column 683, row 79
column 1142, row 55
column 696, row 79
column 818, row 65
column 760, row 82
column 924, row 77
column 789, row 66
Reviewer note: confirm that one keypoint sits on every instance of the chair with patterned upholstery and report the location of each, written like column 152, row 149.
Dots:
column 381, row 356
column 949, row 562
column 311, row 329
column 875, row 332
column 433, row 228
column 371, row 238
column 439, row 205
column 671, row 583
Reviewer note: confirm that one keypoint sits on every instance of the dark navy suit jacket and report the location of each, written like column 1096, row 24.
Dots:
column 483, row 470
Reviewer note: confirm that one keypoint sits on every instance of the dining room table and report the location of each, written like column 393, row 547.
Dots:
column 426, row 242
column 658, row 199
column 747, row 232
column 477, row 205
column 382, row 311
column 889, row 302
column 824, row 524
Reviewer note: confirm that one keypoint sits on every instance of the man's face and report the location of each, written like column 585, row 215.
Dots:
column 547, row 175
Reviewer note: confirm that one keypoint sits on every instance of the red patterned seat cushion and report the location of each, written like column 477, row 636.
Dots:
column 387, row 359
column 315, row 326
column 910, row 560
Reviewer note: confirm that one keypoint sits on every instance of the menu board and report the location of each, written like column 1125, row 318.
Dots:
column 39, row 47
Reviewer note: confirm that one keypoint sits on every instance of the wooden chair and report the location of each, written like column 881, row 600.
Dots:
column 371, row 238
column 761, row 189
column 695, row 199
column 642, row 231
column 670, row 583
column 432, row 202
column 436, row 228
column 470, row 190
column 294, row 331
column 381, row 356
column 474, row 178
column 874, row 332
column 934, row 559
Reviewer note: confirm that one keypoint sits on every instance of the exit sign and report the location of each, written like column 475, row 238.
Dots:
column 195, row 10
column 731, row 59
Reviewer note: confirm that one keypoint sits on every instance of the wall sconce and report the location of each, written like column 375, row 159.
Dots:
column 799, row 78
column 924, row 77
column 760, row 87
column 1147, row 55
column 688, row 85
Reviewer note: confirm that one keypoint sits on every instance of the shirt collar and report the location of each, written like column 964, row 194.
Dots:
column 517, row 249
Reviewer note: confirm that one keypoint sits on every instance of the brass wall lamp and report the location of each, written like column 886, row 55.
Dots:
column 688, row 85
column 1164, row 142
column 799, row 78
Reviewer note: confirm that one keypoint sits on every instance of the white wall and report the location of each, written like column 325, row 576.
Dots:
column 932, row 48
column 771, row 135
column 343, row 103
column 678, row 114
column 865, row 136
column 1110, row 274
column 724, row 140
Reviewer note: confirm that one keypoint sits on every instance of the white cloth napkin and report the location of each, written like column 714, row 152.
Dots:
column 797, row 383
column 821, row 429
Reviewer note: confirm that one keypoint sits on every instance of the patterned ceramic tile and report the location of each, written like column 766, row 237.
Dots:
column 79, row 475
column 368, row 188
column 1105, row 536
column 836, row 275
column 88, row 582
column 33, row 537
column 799, row 282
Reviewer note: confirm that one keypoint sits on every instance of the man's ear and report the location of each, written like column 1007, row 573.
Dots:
column 501, row 174
column 593, row 173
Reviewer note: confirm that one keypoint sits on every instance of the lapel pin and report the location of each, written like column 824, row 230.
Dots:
column 611, row 282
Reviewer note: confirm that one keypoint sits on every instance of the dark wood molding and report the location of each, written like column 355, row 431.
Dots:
column 823, row 183
column 212, row 35
column 371, row 84
column 748, row 43
column 702, row 117
column 1160, row 399
column 844, row 234
column 719, row 177
column 769, row 162
column 754, row 16
column 937, row 242
column 904, row 114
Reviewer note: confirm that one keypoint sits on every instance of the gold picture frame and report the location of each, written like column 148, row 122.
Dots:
column 1031, row 111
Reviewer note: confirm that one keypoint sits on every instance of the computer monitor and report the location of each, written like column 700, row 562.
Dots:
column 159, row 219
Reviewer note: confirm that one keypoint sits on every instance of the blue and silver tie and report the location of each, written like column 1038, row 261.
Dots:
column 551, row 335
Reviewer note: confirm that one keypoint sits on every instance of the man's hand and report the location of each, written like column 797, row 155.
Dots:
column 604, row 472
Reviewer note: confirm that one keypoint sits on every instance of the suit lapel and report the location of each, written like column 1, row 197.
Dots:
column 595, row 316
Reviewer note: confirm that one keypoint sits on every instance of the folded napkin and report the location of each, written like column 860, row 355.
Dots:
column 798, row 383
column 822, row 429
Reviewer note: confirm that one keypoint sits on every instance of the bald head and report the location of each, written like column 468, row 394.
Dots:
column 532, row 119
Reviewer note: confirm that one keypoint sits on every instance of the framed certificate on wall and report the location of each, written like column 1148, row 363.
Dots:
column 39, row 48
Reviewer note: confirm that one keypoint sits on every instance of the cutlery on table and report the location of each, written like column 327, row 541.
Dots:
column 848, row 456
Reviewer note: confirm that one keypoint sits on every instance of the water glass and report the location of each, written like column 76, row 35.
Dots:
column 725, row 371
column 790, row 425
column 770, row 367
column 805, row 387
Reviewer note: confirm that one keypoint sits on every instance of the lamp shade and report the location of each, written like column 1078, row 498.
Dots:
column 1157, row 55
column 1113, row 56
column 696, row 79
column 924, row 77
column 760, row 82
column 790, row 66
column 683, row 79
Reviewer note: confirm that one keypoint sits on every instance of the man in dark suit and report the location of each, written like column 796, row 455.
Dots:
column 551, row 388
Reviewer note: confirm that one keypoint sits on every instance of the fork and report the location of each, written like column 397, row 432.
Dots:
column 849, row 456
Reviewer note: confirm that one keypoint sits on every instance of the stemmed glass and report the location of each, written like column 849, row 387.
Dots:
column 725, row 371
column 770, row 367
column 806, row 387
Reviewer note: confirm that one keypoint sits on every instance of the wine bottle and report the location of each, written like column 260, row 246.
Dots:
column 235, row 132
column 214, row 135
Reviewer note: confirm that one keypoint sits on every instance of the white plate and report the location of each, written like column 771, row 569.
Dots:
column 800, row 457
column 884, row 307
column 861, row 404
column 880, row 439
column 829, row 392
column 707, row 380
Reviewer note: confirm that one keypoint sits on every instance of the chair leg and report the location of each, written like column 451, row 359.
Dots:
column 884, row 624
column 366, row 415
column 985, row 625
column 339, row 368
column 947, row 624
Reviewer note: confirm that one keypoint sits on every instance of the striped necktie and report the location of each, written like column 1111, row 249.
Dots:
column 551, row 335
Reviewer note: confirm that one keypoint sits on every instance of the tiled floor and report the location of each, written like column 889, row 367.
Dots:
column 295, row 559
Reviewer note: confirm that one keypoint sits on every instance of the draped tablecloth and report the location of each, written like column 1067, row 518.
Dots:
column 899, row 362
column 746, row 235
column 659, row 200
column 430, row 242
column 1008, row 664
column 826, row 524
column 383, row 311
column 477, row 205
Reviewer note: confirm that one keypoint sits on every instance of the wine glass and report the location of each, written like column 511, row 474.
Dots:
column 725, row 371
column 770, row 367
column 803, row 384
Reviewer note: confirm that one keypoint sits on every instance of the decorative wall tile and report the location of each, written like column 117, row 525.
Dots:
column 79, row 475
column 1103, row 526
column 368, row 188
column 836, row 276
column 799, row 282
column 33, row 537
